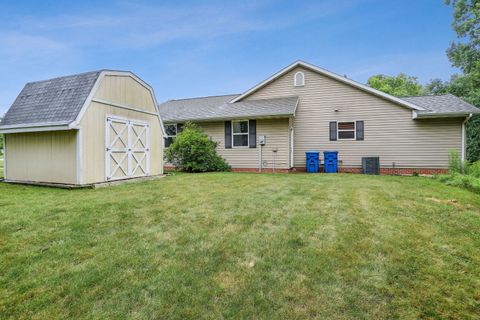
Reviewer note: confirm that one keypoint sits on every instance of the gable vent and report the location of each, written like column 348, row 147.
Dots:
column 299, row 79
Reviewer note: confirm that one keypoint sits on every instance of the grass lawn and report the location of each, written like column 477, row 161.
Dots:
column 229, row 245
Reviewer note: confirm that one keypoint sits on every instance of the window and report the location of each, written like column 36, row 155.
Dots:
column 299, row 79
column 240, row 133
column 346, row 131
column 171, row 131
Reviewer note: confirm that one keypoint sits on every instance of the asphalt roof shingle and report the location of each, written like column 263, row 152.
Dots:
column 54, row 101
column 59, row 101
column 219, row 107
column 446, row 103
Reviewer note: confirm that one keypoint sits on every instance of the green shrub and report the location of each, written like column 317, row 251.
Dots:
column 461, row 180
column 193, row 151
column 454, row 162
column 473, row 169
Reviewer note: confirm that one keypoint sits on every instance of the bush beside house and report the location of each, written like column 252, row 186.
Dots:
column 465, row 175
column 193, row 151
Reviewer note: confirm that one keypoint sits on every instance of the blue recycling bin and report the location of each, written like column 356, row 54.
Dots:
column 312, row 161
column 330, row 161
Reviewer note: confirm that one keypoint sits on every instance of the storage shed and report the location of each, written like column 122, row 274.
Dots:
column 83, row 129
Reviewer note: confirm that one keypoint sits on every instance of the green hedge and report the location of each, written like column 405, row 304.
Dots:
column 465, row 175
column 193, row 151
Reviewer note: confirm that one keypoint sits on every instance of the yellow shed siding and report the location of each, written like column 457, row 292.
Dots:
column 125, row 90
column 93, row 140
column 390, row 131
column 42, row 157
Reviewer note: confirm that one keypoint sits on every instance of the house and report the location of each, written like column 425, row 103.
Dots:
column 83, row 129
column 303, row 107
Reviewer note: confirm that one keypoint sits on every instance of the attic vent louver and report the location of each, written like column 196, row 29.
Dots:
column 299, row 79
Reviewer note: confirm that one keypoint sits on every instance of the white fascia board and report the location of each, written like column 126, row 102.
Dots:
column 434, row 115
column 36, row 129
column 152, row 93
column 87, row 102
column 117, row 73
column 331, row 75
column 277, row 116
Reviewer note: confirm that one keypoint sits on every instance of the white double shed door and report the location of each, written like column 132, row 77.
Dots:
column 127, row 148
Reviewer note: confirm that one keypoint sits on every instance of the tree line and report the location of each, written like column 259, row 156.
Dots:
column 463, row 54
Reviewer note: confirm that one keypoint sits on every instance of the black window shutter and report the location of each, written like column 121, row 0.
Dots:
column 333, row 131
column 252, row 133
column 359, row 129
column 179, row 127
column 228, row 134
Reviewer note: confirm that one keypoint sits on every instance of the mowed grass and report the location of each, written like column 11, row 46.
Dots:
column 242, row 246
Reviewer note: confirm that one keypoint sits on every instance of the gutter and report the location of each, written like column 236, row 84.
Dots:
column 433, row 115
column 18, row 129
column 277, row 116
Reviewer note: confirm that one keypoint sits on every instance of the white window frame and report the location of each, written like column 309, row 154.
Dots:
column 295, row 79
column 354, row 130
column 241, row 134
column 176, row 131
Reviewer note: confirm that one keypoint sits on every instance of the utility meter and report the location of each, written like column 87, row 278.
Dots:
column 262, row 140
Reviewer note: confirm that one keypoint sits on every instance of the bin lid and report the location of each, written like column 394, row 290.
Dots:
column 330, row 151
column 310, row 151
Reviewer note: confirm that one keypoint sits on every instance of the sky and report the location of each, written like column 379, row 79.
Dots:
column 201, row 48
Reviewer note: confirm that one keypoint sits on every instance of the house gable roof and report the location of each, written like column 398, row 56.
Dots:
column 329, row 74
column 219, row 108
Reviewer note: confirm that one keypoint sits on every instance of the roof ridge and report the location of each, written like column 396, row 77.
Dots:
column 203, row 97
column 63, row 77
column 429, row 95
column 77, row 74
column 263, row 99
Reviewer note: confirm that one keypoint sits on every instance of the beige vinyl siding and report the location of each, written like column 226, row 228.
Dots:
column 125, row 90
column 277, row 133
column 93, row 125
column 390, row 131
column 42, row 156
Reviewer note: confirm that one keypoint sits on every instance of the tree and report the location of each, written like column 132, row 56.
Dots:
column 437, row 86
column 400, row 86
column 466, row 23
column 193, row 151
column 465, row 55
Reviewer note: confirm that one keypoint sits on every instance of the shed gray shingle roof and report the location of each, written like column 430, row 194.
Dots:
column 447, row 103
column 54, row 101
column 218, row 107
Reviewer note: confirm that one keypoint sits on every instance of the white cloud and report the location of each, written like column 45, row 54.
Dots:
column 39, row 46
column 134, row 24
column 17, row 45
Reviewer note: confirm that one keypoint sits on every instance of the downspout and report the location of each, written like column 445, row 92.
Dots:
column 464, row 137
column 260, row 158
column 292, row 141
column 5, row 157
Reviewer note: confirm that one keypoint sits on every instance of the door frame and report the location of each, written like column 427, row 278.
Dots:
column 129, row 122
